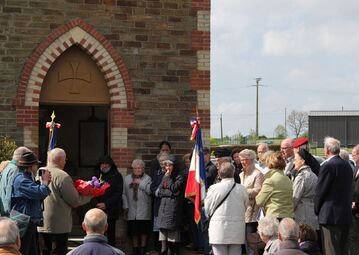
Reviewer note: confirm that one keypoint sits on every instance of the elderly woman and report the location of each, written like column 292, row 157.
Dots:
column 276, row 195
column 304, row 190
column 227, row 225
column 170, row 212
column 268, row 232
column 137, row 206
column 252, row 179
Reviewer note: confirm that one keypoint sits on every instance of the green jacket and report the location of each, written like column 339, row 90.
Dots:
column 276, row 195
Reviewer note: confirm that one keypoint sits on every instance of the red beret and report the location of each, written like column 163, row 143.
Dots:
column 299, row 142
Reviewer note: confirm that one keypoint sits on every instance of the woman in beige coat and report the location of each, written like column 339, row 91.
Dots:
column 252, row 179
column 227, row 225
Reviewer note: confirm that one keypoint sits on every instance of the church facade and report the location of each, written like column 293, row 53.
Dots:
column 120, row 75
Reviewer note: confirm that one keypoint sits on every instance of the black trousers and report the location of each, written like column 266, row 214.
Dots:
column 29, row 244
column 54, row 243
column 334, row 238
column 111, row 232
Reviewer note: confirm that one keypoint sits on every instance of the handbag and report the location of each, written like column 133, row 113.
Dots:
column 22, row 221
column 205, row 223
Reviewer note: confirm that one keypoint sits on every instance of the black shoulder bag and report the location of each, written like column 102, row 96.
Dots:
column 205, row 223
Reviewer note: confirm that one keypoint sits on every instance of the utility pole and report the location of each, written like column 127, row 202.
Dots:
column 221, row 128
column 285, row 120
column 257, row 110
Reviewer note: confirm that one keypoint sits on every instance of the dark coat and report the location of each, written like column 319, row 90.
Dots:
column 333, row 198
column 171, row 194
column 113, row 195
column 156, row 182
column 310, row 247
column 211, row 174
column 289, row 247
column 356, row 191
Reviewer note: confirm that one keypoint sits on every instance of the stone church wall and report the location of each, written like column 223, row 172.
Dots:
column 164, row 45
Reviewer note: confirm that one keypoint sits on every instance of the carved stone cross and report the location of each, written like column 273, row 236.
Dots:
column 75, row 75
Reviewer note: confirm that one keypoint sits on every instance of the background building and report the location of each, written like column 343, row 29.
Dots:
column 343, row 125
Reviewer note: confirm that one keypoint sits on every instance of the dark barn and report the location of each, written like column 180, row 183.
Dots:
column 343, row 125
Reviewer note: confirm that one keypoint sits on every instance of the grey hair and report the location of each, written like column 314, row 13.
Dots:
column 138, row 162
column 8, row 231
column 344, row 154
column 268, row 226
column 163, row 155
column 288, row 229
column 226, row 170
column 94, row 222
column 265, row 145
column 19, row 151
column 56, row 155
column 332, row 145
column 248, row 154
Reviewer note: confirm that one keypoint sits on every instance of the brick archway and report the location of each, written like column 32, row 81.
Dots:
column 122, row 103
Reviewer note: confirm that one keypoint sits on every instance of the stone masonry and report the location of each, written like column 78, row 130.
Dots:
column 154, row 54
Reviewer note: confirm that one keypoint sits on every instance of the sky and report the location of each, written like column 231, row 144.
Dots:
column 305, row 51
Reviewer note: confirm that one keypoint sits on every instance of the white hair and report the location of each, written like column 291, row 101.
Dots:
column 248, row 154
column 8, row 231
column 332, row 145
column 288, row 229
column 268, row 226
column 138, row 162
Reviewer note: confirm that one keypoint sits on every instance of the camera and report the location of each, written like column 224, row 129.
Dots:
column 41, row 171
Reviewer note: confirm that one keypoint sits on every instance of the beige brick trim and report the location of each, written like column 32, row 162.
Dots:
column 31, row 136
column 203, row 99
column 99, row 55
column 119, row 137
column 203, row 60
column 203, row 21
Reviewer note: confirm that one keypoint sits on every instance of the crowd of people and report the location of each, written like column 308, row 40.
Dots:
column 269, row 202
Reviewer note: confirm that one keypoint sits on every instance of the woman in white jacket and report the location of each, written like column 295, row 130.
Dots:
column 227, row 225
column 137, row 206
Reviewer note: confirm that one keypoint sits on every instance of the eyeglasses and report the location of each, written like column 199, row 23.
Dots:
column 285, row 148
column 353, row 155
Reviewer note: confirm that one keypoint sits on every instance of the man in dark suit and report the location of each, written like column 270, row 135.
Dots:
column 353, row 237
column 333, row 199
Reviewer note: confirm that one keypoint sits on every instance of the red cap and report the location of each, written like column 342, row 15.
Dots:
column 299, row 142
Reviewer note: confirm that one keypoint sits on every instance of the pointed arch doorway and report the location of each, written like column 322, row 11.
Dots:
column 76, row 90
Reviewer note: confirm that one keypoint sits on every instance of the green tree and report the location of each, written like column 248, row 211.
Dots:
column 280, row 132
column 7, row 147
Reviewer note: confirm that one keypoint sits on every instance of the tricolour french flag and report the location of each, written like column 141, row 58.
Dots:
column 196, row 188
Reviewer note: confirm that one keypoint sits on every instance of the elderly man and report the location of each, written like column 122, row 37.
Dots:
column 286, row 148
column 268, row 232
column 9, row 237
column 288, row 235
column 261, row 150
column 58, row 205
column 352, row 245
column 95, row 242
column 333, row 198
column 7, row 179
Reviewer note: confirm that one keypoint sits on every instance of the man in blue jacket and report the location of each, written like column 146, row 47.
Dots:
column 333, row 198
column 95, row 242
